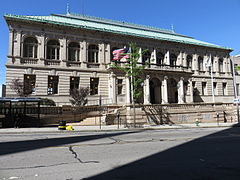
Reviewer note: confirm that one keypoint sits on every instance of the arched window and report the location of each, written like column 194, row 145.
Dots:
column 93, row 53
column 30, row 46
column 53, row 49
column 73, row 51
column 200, row 63
column 173, row 60
column 220, row 63
column 160, row 58
column 146, row 57
column 189, row 61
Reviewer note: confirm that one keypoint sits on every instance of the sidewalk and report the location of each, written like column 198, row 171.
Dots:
column 113, row 128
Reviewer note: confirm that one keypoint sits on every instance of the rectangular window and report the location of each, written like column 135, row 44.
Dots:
column 74, row 83
column 224, row 89
column 204, row 88
column 52, row 85
column 215, row 88
column 94, row 86
column 29, row 83
column 120, row 86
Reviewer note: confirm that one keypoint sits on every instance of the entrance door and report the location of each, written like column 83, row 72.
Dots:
column 155, row 91
column 172, row 91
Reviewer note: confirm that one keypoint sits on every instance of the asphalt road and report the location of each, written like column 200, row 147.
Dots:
column 199, row 153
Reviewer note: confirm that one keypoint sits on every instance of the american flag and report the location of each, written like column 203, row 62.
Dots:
column 120, row 53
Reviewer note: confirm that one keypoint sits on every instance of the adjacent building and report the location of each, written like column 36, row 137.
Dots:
column 57, row 53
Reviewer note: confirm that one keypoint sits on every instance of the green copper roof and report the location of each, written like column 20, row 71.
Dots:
column 117, row 27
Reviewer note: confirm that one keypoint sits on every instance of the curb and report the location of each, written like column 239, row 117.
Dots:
column 13, row 131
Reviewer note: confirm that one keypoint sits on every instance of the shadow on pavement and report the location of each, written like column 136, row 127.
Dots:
column 213, row 157
column 21, row 146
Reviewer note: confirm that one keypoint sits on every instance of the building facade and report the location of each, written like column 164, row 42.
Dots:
column 57, row 53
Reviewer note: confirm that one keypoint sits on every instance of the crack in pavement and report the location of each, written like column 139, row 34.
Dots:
column 33, row 167
column 118, row 141
column 76, row 156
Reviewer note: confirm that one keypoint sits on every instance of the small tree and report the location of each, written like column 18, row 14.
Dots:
column 134, row 71
column 23, row 89
column 79, row 96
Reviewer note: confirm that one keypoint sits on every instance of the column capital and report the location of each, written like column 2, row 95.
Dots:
column 165, row 77
column 147, row 76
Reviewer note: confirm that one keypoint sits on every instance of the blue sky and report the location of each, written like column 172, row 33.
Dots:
column 214, row 21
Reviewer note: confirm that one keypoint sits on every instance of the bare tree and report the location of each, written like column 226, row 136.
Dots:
column 79, row 96
column 23, row 89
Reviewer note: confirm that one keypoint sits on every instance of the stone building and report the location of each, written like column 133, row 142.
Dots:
column 236, row 61
column 57, row 53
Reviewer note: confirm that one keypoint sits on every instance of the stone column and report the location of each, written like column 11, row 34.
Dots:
column 102, row 55
column 11, row 39
column 229, row 66
column 184, row 59
column 195, row 63
column 180, row 91
column 167, row 58
column 108, row 53
column 154, row 57
column 216, row 65
column 63, row 51
column 225, row 68
column 127, row 90
column 140, row 58
column 147, row 90
column 10, row 46
column 164, row 90
column 83, row 52
column 179, row 59
column 190, row 91
column 113, row 88
column 17, row 45
column 41, row 49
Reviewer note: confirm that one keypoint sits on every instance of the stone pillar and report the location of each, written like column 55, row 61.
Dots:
column 147, row 90
column 195, row 63
column 17, row 45
column 107, row 53
column 63, row 51
column 10, row 47
column 154, row 57
column 140, row 58
column 83, row 52
column 102, row 55
column 181, row 91
column 216, row 64
column 167, row 58
column 225, row 68
column 113, row 95
column 205, row 60
column 164, row 90
column 41, row 49
column 190, row 91
column 229, row 66
column 127, row 90
column 179, row 59
column 184, row 59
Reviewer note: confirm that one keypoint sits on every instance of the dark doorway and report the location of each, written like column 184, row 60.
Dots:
column 155, row 91
column 172, row 91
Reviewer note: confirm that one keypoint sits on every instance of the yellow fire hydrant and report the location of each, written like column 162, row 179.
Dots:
column 69, row 128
